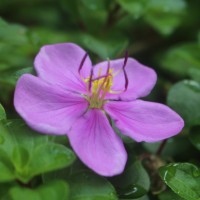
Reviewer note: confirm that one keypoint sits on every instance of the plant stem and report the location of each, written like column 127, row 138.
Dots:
column 111, row 16
column 161, row 147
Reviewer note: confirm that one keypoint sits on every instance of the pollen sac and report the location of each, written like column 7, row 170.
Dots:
column 98, row 88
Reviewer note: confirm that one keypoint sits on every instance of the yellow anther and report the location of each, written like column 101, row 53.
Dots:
column 100, row 86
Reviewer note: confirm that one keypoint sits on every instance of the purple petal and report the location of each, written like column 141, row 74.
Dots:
column 145, row 121
column 45, row 107
column 97, row 145
column 59, row 63
column 141, row 79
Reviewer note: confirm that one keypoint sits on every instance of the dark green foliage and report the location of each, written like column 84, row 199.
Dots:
column 163, row 34
column 183, row 179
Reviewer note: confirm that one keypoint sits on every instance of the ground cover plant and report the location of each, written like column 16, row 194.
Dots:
column 153, row 157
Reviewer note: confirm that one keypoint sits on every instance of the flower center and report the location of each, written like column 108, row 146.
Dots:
column 98, row 87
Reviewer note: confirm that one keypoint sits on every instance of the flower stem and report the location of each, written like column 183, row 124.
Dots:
column 161, row 147
column 111, row 16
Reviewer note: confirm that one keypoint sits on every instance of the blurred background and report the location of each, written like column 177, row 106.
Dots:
column 162, row 34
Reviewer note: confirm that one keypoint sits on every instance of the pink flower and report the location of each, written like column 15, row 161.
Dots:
column 71, row 97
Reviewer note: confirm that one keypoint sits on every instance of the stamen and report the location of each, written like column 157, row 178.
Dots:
column 124, row 65
column 107, row 74
column 100, row 77
column 126, row 80
column 104, row 81
column 82, row 62
column 125, row 59
column 90, row 79
column 108, row 68
column 125, row 74
column 98, row 87
column 104, row 76
column 105, row 91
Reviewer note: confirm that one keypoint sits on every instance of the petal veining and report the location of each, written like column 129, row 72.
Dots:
column 97, row 145
column 145, row 121
column 59, row 64
column 47, row 108
column 141, row 79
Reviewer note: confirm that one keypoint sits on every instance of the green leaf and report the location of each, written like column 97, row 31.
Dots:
column 27, row 70
column 87, row 185
column 95, row 4
column 105, row 47
column 181, row 59
column 7, row 141
column 52, row 191
column 30, row 153
column 15, row 51
column 22, row 194
column 164, row 16
column 7, row 31
column 20, row 157
column 4, row 188
column 169, row 195
column 14, row 42
column 41, row 36
column 133, row 183
column 183, row 179
column 72, row 9
column 17, row 133
column 76, row 168
column 165, row 24
column 195, row 136
column 198, row 38
column 2, row 114
column 194, row 73
column 133, row 7
column 141, row 198
column 6, row 174
column 184, row 98
column 91, row 15
column 49, row 157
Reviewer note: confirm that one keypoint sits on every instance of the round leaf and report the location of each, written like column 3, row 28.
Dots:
column 88, row 186
column 183, row 179
column 133, row 183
